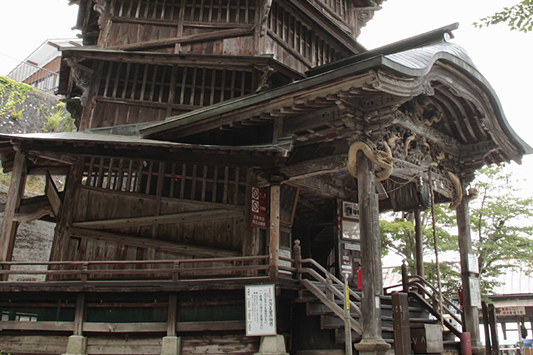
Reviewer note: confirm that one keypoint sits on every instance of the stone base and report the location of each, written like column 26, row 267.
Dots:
column 171, row 345
column 272, row 345
column 77, row 345
column 372, row 347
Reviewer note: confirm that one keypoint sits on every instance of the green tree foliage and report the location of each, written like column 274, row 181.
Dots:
column 518, row 17
column 499, row 228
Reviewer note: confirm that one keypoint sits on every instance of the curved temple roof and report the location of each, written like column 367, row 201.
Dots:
column 415, row 71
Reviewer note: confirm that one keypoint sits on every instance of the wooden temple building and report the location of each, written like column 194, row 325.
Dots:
column 231, row 162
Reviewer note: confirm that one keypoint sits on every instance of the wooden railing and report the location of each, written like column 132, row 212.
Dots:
column 428, row 296
column 309, row 273
column 131, row 270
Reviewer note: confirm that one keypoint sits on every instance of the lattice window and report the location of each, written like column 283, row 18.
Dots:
column 176, row 85
column 147, row 9
column 220, row 184
column 220, row 11
column 300, row 37
column 338, row 7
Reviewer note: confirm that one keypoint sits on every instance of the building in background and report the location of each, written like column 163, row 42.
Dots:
column 41, row 68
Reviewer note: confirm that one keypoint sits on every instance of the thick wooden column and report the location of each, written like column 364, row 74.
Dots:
column 14, row 195
column 372, row 281
column 275, row 195
column 419, row 244
column 468, row 278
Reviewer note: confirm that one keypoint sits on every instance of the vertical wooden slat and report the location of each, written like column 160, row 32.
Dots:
column 172, row 180
column 237, row 11
column 153, row 83
column 210, row 16
column 204, row 183
column 129, row 178
column 193, row 86
column 138, row 178
column 225, row 192
column 236, row 192
column 138, row 11
column 117, row 80
column 223, row 85
column 134, row 85
column 202, row 91
column 213, row 87
column 193, row 182
column 109, row 174
column 172, row 90
column 120, row 176
column 233, row 73
column 89, row 181
column 215, row 183
column 162, row 83
column 183, row 177
column 149, row 177
column 163, row 9
column 108, row 78
column 246, row 15
column 126, row 79
column 219, row 16
column 145, row 77
column 100, row 173
column 183, row 81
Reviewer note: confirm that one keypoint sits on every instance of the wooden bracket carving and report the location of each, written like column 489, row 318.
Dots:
column 82, row 76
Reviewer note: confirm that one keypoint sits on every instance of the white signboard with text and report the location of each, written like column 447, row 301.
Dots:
column 260, row 310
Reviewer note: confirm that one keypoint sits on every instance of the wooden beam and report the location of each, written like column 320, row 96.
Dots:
column 52, row 194
column 163, row 219
column 315, row 167
column 150, row 243
column 14, row 195
column 202, row 37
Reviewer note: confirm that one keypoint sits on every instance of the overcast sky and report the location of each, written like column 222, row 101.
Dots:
column 501, row 55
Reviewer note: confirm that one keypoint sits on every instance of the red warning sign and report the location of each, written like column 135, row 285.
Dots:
column 259, row 208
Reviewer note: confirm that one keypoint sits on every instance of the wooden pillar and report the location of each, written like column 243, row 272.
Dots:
column 468, row 278
column 8, row 230
column 372, row 282
column 275, row 194
column 493, row 329
column 79, row 315
column 172, row 314
column 486, row 327
column 419, row 245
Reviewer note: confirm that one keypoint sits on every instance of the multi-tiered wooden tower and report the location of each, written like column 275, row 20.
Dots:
column 231, row 163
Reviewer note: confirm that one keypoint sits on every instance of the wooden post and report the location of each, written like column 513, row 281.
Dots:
column 275, row 194
column 14, row 195
column 372, row 288
column 297, row 252
column 400, row 318
column 172, row 314
column 405, row 277
column 79, row 315
column 485, row 311
column 494, row 329
column 468, row 278
column 419, row 244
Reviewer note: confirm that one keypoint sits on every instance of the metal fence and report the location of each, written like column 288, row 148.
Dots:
column 39, row 78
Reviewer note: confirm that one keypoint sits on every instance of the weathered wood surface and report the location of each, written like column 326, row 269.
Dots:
column 34, row 344
column 228, row 344
column 118, row 345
